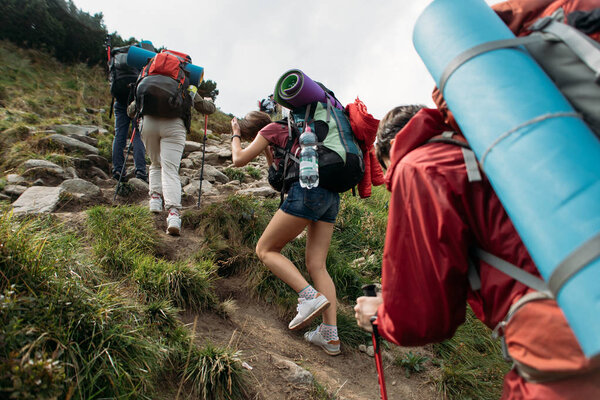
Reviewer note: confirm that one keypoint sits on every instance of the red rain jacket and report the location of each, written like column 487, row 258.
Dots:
column 364, row 126
column 435, row 216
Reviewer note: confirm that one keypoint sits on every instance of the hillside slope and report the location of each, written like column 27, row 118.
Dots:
column 96, row 301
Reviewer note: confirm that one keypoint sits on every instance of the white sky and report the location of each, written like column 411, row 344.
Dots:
column 354, row 47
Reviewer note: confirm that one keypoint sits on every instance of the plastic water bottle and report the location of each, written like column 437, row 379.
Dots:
column 309, row 159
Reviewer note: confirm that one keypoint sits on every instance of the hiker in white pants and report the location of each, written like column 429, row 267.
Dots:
column 164, row 139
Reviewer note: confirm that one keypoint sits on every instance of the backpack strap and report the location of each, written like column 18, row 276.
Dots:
column 471, row 164
column 551, row 30
column 585, row 48
column 509, row 269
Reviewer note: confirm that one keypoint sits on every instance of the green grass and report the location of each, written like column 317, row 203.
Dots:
column 471, row 363
column 253, row 172
column 67, row 331
column 124, row 240
column 235, row 174
column 216, row 373
column 411, row 363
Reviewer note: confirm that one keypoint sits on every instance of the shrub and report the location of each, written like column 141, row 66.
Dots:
column 216, row 373
column 235, row 174
column 411, row 362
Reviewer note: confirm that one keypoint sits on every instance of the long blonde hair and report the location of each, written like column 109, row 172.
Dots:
column 253, row 122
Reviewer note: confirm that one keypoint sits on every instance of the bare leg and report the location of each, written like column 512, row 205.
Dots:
column 318, row 239
column 282, row 229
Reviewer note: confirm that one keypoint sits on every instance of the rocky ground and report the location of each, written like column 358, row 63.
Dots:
column 282, row 365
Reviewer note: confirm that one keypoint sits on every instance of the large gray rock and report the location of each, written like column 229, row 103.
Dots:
column 37, row 199
column 48, row 176
column 14, row 179
column 207, row 188
column 209, row 158
column 70, row 144
column 187, row 163
column 191, row 146
column 212, row 174
column 85, row 139
column 14, row 190
column 82, row 189
column 263, row 191
column 84, row 130
column 139, row 185
column 99, row 162
column 34, row 163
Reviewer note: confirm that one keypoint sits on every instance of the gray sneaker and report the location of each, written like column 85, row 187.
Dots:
column 308, row 310
column 331, row 347
column 174, row 222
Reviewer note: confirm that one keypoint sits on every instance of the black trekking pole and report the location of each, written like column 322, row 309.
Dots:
column 203, row 153
column 369, row 290
column 129, row 147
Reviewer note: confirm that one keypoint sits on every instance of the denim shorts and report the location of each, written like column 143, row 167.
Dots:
column 316, row 204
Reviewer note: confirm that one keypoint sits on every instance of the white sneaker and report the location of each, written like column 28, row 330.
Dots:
column 308, row 310
column 331, row 347
column 156, row 203
column 173, row 222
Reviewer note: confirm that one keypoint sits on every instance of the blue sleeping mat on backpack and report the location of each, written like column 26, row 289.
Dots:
column 543, row 161
column 138, row 57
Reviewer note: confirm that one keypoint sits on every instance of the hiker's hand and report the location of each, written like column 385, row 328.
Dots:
column 235, row 127
column 364, row 309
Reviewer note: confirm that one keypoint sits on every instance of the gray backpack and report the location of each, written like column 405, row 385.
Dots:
column 569, row 57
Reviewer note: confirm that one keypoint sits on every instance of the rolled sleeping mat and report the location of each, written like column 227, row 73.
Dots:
column 541, row 158
column 138, row 57
column 295, row 89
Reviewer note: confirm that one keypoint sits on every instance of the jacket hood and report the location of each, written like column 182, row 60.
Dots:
column 426, row 124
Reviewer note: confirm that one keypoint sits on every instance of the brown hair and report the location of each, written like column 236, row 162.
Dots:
column 253, row 122
column 390, row 125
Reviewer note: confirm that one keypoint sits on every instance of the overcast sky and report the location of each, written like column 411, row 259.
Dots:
column 354, row 47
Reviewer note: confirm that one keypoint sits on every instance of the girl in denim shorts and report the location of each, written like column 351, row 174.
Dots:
column 315, row 209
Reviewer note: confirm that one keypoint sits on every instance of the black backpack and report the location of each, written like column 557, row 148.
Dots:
column 161, row 88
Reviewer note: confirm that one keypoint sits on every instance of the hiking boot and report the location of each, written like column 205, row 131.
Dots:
column 331, row 347
column 116, row 175
column 308, row 310
column 173, row 222
column 142, row 177
column 155, row 203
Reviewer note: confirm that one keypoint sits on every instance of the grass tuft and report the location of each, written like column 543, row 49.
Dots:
column 216, row 373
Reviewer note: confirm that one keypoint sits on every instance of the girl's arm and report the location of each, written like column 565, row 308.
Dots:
column 242, row 156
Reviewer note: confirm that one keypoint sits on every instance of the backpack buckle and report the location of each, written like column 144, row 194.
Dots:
column 540, row 24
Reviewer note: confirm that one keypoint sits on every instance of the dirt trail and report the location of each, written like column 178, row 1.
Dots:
column 256, row 329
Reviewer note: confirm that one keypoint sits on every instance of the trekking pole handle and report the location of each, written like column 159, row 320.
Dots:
column 369, row 290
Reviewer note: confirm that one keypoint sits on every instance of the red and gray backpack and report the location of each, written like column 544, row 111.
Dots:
column 161, row 88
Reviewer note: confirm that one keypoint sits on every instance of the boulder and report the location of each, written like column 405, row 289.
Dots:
column 263, row 191
column 212, row 174
column 85, row 139
column 84, row 130
column 14, row 179
column 37, row 199
column 99, row 162
column 139, row 185
column 14, row 190
column 34, row 163
column 187, row 163
column 81, row 189
column 209, row 158
column 70, row 144
column 192, row 188
column 48, row 176
column 191, row 146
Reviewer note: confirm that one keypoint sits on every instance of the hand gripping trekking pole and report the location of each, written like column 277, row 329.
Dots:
column 203, row 153
column 369, row 290
column 129, row 147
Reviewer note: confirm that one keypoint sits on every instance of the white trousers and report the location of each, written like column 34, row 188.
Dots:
column 164, row 139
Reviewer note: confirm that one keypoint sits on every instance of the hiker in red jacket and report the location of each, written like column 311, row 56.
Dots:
column 425, row 282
